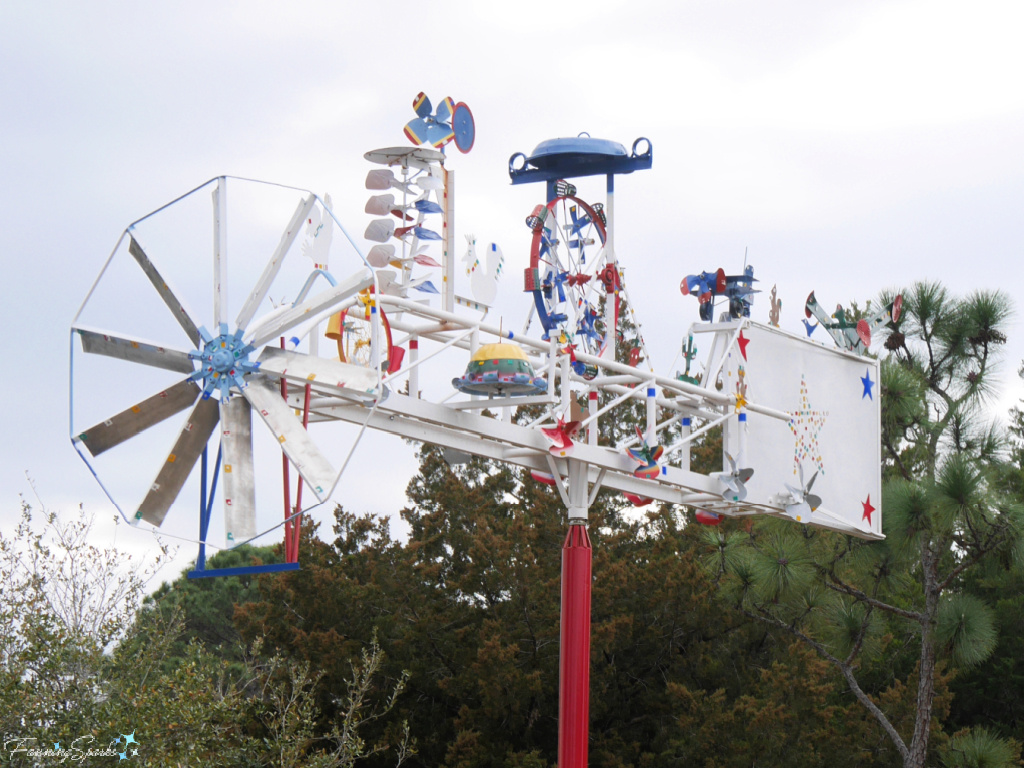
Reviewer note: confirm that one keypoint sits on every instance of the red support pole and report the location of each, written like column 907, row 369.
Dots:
column 574, row 659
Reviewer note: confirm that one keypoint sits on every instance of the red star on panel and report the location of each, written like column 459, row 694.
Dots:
column 743, row 345
column 868, row 509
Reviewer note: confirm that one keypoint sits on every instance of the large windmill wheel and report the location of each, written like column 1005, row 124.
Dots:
column 219, row 373
column 568, row 274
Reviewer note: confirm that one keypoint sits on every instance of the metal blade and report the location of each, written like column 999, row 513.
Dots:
column 220, row 251
column 239, row 475
column 312, row 307
column 259, row 293
column 318, row 473
column 176, row 307
column 329, row 377
column 96, row 343
column 175, row 471
column 129, row 423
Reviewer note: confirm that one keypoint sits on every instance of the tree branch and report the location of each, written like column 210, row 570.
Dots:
column 838, row 586
column 846, row 669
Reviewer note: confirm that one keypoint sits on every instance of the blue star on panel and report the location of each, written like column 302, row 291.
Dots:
column 129, row 738
column 868, row 384
column 56, row 746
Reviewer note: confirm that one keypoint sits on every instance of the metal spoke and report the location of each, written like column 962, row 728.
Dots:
column 176, row 307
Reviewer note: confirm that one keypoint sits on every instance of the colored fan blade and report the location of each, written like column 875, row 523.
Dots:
column 426, row 261
column 438, row 134
column 96, row 343
column 239, row 478
column 421, row 105
column 445, row 109
column 175, row 471
column 139, row 417
column 427, row 287
column 427, row 206
column 318, row 473
column 176, row 307
column 417, row 130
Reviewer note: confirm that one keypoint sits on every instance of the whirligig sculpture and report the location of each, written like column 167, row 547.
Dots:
column 781, row 401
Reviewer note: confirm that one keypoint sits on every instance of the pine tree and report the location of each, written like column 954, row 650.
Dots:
column 950, row 503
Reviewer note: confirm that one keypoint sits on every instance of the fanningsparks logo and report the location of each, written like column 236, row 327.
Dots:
column 124, row 747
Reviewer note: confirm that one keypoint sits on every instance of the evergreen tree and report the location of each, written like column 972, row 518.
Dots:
column 950, row 505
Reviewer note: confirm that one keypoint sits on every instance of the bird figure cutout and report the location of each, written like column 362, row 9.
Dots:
column 483, row 272
column 647, row 457
column 319, row 233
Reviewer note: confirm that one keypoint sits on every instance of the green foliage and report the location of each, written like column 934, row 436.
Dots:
column 83, row 660
column 978, row 748
column 965, row 628
column 949, row 505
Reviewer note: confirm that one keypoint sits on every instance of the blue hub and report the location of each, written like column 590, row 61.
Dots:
column 223, row 362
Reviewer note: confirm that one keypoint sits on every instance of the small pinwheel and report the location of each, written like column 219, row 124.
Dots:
column 647, row 457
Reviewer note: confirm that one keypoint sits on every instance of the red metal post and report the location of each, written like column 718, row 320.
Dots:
column 574, row 659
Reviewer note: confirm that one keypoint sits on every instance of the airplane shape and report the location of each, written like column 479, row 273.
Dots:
column 847, row 334
column 647, row 457
column 736, row 288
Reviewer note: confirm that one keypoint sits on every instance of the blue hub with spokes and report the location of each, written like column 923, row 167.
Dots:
column 223, row 362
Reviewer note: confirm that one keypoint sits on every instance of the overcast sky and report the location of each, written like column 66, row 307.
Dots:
column 849, row 147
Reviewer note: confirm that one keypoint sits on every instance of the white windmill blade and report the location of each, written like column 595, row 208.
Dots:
column 176, row 307
column 299, row 313
column 329, row 377
column 134, row 350
column 381, row 255
column 295, row 441
column 259, row 292
column 183, row 456
column 380, row 230
column 387, row 283
column 380, row 205
column 428, row 183
column 797, row 495
column 139, row 417
column 383, row 178
column 238, row 472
